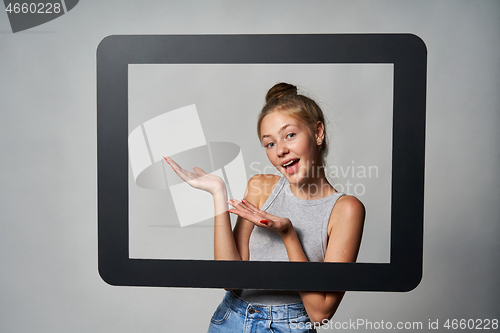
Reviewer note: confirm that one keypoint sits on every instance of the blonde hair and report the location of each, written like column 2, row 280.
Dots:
column 283, row 97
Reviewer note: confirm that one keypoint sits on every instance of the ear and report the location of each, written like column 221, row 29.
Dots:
column 320, row 133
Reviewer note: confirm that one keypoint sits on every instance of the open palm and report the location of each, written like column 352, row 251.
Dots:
column 259, row 217
column 198, row 179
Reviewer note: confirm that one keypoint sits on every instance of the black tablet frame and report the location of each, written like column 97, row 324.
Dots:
column 406, row 52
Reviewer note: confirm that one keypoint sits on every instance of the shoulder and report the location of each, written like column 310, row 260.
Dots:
column 347, row 211
column 260, row 188
column 345, row 230
column 349, row 205
column 264, row 179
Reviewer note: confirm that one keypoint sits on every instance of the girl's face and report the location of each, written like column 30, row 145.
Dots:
column 290, row 146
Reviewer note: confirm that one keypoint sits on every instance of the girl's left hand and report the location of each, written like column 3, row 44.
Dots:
column 260, row 218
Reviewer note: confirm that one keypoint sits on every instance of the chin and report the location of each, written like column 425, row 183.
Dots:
column 295, row 178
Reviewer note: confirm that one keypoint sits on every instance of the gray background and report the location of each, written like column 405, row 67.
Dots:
column 49, row 280
column 356, row 99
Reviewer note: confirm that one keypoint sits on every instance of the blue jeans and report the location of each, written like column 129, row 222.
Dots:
column 236, row 315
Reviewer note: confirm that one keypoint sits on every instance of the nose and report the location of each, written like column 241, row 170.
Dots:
column 282, row 149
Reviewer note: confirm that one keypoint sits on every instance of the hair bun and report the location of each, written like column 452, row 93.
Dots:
column 281, row 89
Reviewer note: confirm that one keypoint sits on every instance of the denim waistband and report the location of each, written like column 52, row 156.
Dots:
column 263, row 311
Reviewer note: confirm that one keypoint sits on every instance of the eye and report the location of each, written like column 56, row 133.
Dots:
column 269, row 145
column 291, row 135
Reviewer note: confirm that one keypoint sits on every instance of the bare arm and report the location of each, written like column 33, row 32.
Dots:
column 241, row 232
column 224, row 244
column 258, row 190
column 345, row 230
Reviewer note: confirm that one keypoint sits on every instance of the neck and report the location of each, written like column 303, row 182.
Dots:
column 314, row 187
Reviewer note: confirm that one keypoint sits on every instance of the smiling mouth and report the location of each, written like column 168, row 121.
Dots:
column 290, row 164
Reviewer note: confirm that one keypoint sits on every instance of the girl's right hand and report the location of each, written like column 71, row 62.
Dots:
column 198, row 179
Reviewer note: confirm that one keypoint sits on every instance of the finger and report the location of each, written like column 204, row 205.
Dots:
column 172, row 163
column 238, row 205
column 183, row 174
column 248, row 203
column 257, row 211
column 264, row 215
column 168, row 159
column 249, row 206
column 258, row 221
column 247, row 215
column 199, row 171
column 231, row 202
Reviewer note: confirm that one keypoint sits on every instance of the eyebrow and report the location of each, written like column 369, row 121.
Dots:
column 281, row 129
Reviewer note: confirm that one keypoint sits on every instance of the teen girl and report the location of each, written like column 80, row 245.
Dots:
column 296, row 217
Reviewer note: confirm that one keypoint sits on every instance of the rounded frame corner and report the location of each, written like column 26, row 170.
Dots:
column 417, row 42
column 413, row 283
column 106, row 276
column 103, row 44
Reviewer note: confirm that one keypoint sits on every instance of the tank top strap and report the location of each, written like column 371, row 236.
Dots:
column 274, row 194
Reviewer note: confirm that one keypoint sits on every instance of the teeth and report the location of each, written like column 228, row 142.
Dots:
column 287, row 164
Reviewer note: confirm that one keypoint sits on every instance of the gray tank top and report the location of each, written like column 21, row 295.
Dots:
column 310, row 220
